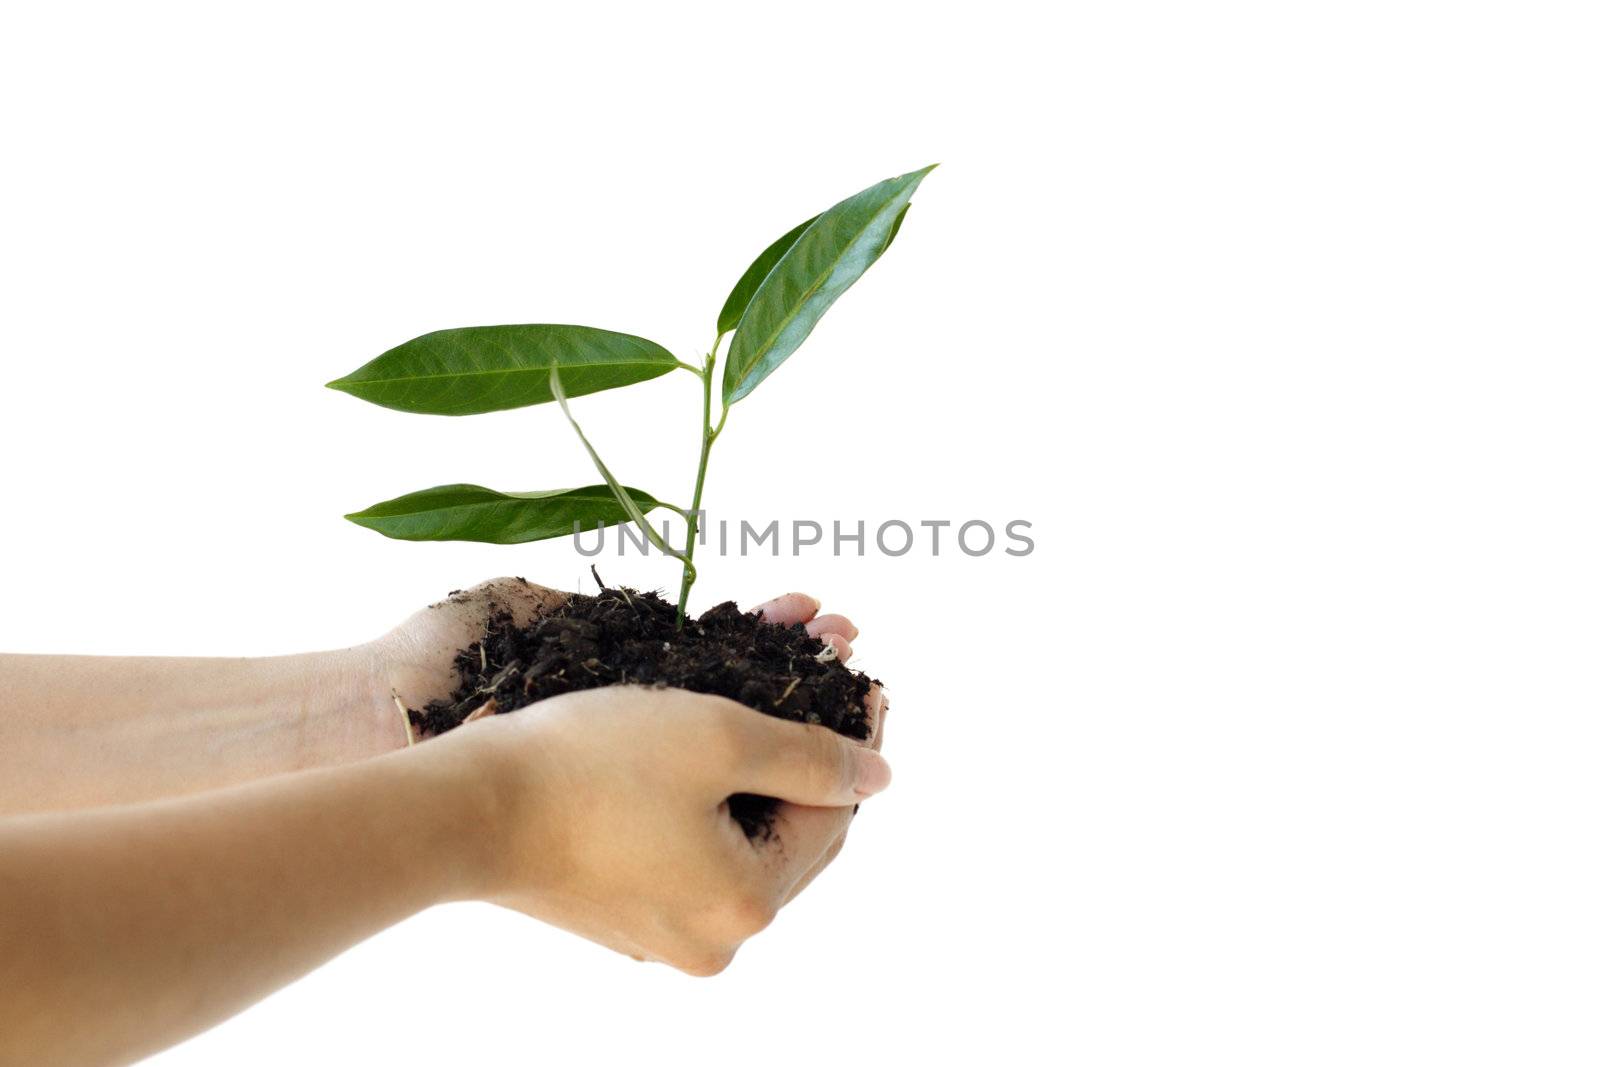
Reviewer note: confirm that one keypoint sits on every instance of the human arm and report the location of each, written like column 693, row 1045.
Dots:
column 604, row 812
column 83, row 731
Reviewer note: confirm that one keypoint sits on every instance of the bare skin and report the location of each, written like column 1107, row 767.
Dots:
column 126, row 928
column 81, row 731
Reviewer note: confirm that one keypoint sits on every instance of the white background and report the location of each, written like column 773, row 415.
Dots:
column 1277, row 321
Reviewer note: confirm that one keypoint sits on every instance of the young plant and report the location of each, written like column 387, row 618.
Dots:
column 771, row 310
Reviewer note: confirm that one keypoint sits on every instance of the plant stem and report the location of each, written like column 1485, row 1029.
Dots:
column 708, row 436
column 629, row 506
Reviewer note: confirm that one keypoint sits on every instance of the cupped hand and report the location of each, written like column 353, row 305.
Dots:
column 415, row 662
column 610, row 815
column 812, row 836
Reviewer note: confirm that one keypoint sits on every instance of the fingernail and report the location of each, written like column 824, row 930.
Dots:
column 816, row 605
column 872, row 773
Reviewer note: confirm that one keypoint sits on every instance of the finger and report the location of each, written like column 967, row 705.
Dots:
column 804, row 827
column 877, row 704
column 827, row 857
column 789, row 609
column 526, row 600
column 804, row 764
column 833, row 624
column 806, row 833
column 522, row 598
column 840, row 646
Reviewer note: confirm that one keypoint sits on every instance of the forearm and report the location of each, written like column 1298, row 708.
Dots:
column 78, row 731
column 123, row 930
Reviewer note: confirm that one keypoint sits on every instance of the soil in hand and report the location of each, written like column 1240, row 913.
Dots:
column 625, row 637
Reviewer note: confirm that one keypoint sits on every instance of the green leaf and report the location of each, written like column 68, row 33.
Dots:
column 825, row 260
column 753, row 276
column 473, row 513
column 894, row 231
column 492, row 368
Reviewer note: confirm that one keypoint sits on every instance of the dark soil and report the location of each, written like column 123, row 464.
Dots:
column 625, row 637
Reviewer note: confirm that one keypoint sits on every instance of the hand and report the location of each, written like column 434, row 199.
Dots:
column 417, row 665
column 610, row 815
column 415, row 662
column 128, row 927
column 813, row 836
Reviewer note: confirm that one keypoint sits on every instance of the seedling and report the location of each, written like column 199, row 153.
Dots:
column 771, row 310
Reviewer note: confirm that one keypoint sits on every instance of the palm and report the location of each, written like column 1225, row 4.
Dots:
column 419, row 654
column 419, row 661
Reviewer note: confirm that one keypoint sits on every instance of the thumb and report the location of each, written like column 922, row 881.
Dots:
column 808, row 765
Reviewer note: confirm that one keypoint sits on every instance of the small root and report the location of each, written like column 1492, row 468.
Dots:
column 793, row 682
column 405, row 719
column 488, row 707
column 500, row 679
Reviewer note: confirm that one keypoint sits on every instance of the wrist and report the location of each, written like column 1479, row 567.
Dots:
column 349, row 711
column 471, row 811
